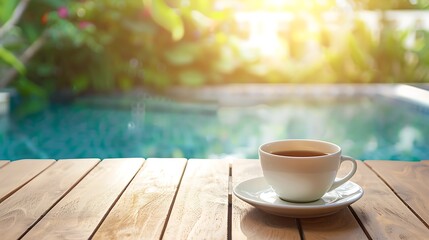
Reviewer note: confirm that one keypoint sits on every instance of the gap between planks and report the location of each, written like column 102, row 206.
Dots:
column 229, row 227
column 115, row 201
column 28, row 174
column 62, row 196
column 396, row 193
column 173, row 201
column 3, row 163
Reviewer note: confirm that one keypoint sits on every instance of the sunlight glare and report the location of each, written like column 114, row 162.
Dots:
column 263, row 36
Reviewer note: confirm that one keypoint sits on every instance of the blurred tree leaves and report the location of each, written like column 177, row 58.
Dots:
column 110, row 45
column 6, row 10
column 183, row 53
column 9, row 58
column 191, row 77
column 166, row 17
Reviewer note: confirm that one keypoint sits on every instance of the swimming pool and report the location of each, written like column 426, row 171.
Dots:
column 367, row 126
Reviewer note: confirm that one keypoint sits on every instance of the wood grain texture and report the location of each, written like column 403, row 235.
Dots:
column 3, row 163
column 201, row 206
column 250, row 223
column 142, row 210
column 381, row 212
column 78, row 214
column 341, row 225
column 17, row 173
column 28, row 204
column 409, row 180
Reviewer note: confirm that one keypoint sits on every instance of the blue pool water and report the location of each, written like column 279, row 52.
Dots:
column 367, row 127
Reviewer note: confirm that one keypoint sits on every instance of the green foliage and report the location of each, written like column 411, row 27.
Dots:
column 166, row 18
column 9, row 58
column 28, row 88
column 192, row 78
column 6, row 10
column 109, row 45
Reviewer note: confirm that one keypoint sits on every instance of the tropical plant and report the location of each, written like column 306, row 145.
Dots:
column 74, row 47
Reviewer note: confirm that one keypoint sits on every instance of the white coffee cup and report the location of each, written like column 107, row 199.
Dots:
column 300, row 178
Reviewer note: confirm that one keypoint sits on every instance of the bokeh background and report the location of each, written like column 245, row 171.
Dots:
column 199, row 78
column 67, row 48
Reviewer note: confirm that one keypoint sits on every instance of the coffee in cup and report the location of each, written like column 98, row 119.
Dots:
column 303, row 170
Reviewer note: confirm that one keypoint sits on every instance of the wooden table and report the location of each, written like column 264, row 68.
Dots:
column 191, row 199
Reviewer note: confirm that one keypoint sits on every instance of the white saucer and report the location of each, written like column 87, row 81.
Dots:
column 258, row 193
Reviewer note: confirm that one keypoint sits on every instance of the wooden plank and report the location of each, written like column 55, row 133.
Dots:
column 409, row 180
column 3, row 162
column 79, row 213
column 341, row 225
column 28, row 204
column 17, row 173
column 250, row 223
column 200, row 210
column 142, row 210
column 381, row 212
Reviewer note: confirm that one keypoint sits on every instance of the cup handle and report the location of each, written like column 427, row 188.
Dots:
column 341, row 181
